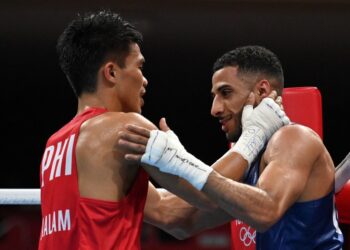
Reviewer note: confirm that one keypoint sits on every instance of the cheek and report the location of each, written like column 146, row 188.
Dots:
column 240, row 101
column 133, row 85
column 133, row 78
column 235, row 106
column 136, row 83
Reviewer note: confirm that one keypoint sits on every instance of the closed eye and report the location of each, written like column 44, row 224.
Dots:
column 225, row 91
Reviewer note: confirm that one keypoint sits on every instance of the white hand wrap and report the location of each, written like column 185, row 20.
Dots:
column 258, row 125
column 165, row 151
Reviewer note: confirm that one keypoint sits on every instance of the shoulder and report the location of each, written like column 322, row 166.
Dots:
column 118, row 120
column 296, row 133
column 138, row 119
column 107, row 125
column 295, row 139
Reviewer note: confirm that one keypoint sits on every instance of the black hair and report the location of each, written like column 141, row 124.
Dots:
column 253, row 59
column 87, row 41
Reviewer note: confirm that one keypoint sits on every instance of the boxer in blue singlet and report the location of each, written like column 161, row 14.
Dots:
column 288, row 194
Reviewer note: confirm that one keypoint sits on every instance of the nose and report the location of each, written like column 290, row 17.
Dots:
column 217, row 107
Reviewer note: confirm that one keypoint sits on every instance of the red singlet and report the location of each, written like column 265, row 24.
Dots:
column 73, row 222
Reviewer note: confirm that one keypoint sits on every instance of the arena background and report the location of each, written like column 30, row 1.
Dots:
column 182, row 39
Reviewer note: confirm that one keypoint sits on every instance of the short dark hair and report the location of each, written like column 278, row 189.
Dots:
column 87, row 41
column 253, row 59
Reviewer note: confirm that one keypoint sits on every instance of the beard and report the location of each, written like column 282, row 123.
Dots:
column 234, row 135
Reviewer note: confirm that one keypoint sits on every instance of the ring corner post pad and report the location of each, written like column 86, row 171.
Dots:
column 304, row 105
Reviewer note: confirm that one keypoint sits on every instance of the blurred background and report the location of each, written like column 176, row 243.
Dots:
column 182, row 39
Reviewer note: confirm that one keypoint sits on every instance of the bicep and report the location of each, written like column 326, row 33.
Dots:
column 289, row 164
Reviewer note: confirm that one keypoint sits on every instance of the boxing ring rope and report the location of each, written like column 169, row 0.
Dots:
column 293, row 99
column 20, row 196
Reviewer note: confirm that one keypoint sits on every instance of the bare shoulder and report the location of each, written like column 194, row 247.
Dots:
column 117, row 120
column 296, row 141
column 296, row 133
column 137, row 119
column 106, row 126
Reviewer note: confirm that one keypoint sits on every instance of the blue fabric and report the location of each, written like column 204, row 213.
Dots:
column 305, row 225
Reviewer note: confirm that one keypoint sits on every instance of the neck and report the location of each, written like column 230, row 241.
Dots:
column 88, row 100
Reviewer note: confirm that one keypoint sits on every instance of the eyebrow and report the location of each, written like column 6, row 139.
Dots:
column 221, row 87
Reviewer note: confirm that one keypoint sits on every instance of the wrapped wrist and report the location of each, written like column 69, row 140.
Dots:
column 250, row 143
column 169, row 156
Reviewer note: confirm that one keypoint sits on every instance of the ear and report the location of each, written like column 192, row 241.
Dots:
column 262, row 89
column 109, row 72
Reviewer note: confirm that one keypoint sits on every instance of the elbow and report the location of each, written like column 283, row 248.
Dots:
column 180, row 228
column 177, row 231
column 265, row 221
column 262, row 228
column 169, row 225
column 181, row 235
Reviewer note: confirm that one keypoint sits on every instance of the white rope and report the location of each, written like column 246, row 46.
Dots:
column 19, row 196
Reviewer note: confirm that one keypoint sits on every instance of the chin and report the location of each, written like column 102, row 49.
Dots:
column 233, row 136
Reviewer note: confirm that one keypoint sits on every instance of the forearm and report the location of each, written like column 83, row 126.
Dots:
column 181, row 220
column 231, row 166
column 247, row 203
column 168, row 212
column 181, row 188
column 199, row 221
column 342, row 173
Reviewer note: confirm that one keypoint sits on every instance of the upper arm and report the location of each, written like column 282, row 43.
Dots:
column 102, row 131
column 103, row 170
column 290, row 156
column 124, row 119
column 289, row 159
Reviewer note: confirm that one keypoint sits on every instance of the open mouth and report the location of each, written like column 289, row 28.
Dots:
column 224, row 122
column 225, row 119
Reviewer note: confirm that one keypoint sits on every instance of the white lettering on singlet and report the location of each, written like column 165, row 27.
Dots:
column 53, row 157
column 56, row 221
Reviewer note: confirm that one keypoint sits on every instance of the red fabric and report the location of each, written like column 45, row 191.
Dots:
column 72, row 222
column 303, row 105
column 242, row 236
column 343, row 204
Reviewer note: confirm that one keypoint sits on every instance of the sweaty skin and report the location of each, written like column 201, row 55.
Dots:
column 282, row 182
